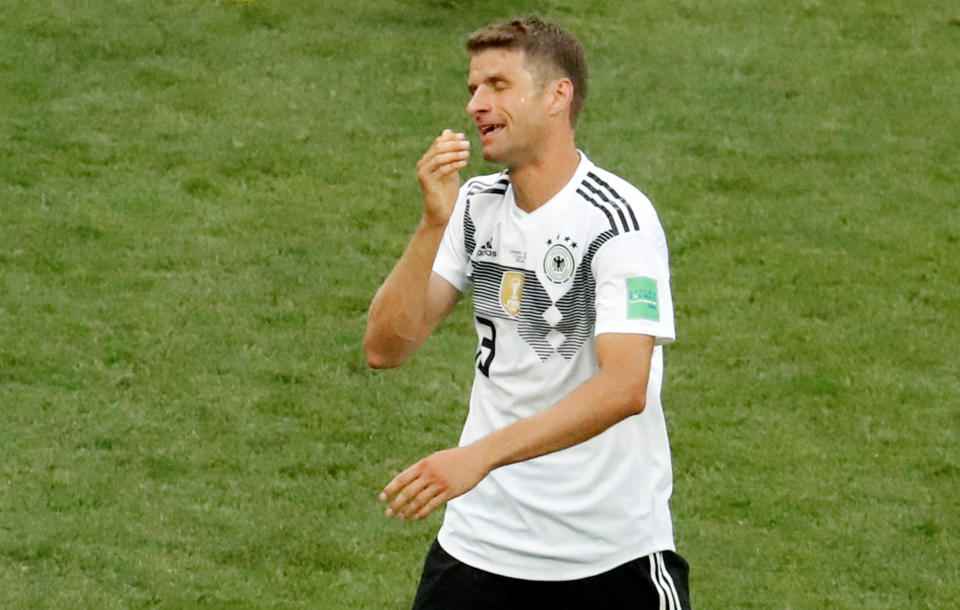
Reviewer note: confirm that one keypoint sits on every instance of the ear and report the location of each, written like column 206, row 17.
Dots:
column 561, row 96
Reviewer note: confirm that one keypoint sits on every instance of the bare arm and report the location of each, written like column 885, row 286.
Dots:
column 413, row 300
column 617, row 391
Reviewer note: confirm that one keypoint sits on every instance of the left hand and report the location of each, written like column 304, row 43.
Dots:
column 434, row 480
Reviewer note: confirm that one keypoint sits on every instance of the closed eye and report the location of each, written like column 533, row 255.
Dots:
column 495, row 82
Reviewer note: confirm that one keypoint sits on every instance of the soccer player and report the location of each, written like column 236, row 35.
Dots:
column 557, row 495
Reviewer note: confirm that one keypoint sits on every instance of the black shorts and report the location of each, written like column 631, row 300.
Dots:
column 657, row 581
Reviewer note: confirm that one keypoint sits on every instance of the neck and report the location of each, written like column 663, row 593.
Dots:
column 537, row 180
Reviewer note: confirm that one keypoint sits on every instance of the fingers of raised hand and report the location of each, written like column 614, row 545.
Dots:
column 448, row 139
column 449, row 153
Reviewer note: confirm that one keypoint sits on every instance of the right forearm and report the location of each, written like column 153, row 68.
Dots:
column 398, row 320
column 407, row 307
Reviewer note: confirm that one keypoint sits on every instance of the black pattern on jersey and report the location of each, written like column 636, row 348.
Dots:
column 580, row 302
column 497, row 188
column 469, row 231
column 603, row 196
column 487, row 277
column 576, row 306
column 479, row 188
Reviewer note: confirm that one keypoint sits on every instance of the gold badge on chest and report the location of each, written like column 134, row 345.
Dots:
column 511, row 292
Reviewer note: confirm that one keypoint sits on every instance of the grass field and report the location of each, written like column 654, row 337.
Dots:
column 199, row 198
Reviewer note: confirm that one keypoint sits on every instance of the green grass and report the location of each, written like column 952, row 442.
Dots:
column 198, row 200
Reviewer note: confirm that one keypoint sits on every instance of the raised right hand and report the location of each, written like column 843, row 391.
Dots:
column 439, row 175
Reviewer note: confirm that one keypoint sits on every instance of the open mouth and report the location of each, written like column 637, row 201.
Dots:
column 486, row 130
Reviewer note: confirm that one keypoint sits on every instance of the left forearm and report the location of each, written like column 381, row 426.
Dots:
column 616, row 392
column 594, row 406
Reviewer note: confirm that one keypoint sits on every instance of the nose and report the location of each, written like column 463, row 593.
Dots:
column 479, row 102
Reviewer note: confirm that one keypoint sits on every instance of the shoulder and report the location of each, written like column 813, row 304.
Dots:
column 621, row 190
column 616, row 203
column 490, row 184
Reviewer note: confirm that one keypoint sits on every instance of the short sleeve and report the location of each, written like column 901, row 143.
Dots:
column 633, row 285
column 452, row 261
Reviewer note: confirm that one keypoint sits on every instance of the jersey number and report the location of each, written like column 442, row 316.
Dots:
column 488, row 343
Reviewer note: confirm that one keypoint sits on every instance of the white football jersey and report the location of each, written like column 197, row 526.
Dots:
column 592, row 260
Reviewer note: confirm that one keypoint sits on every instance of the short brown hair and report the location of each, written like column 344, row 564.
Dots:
column 543, row 43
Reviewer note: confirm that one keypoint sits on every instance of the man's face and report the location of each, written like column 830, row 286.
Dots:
column 507, row 106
